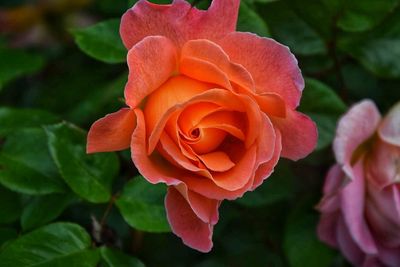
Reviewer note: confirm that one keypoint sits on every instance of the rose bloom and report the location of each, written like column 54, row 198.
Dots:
column 210, row 110
column 361, row 203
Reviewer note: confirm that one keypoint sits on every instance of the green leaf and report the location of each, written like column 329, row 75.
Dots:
column 26, row 165
column 301, row 243
column 16, row 63
column 12, row 119
column 95, row 104
column 364, row 15
column 44, row 209
column 116, row 258
column 317, row 14
column 142, row 205
column 250, row 21
column 324, row 107
column 59, row 244
column 289, row 29
column 377, row 50
column 10, row 206
column 102, row 41
column 7, row 234
column 89, row 176
column 275, row 188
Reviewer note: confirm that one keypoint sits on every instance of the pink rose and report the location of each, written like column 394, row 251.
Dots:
column 210, row 110
column 361, row 203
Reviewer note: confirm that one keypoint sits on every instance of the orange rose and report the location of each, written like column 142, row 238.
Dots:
column 210, row 110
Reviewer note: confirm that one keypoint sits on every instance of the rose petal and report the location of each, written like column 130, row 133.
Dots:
column 273, row 68
column 166, row 100
column 178, row 21
column 347, row 245
column 354, row 128
column 207, row 51
column 327, row 227
column 267, row 168
column 172, row 152
column 217, row 161
column 149, row 67
column 352, row 204
column 299, row 134
column 334, row 182
column 184, row 223
column 372, row 261
column 112, row 132
column 237, row 177
column 389, row 130
column 272, row 104
column 383, row 213
column 205, row 209
column 383, row 164
column 154, row 169
column 389, row 256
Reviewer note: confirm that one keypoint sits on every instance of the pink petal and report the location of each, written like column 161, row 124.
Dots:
column 149, row 67
column 383, row 213
column 334, row 182
column 389, row 130
column 178, row 21
column 299, row 134
column 112, row 132
column 327, row 228
column 383, row 164
column 272, row 66
column 347, row 245
column 354, row 128
column 372, row 261
column 389, row 256
column 353, row 204
column 184, row 223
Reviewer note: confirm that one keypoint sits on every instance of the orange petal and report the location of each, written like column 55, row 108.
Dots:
column 272, row 66
column 217, row 161
column 178, row 21
column 239, row 176
column 216, row 96
column 208, row 52
column 184, row 222
column 149, row 67
column 166, row 100
column 299, row 134
column 193, row 114
column 154, row 169
column 267, row 168
column 112, row 132
column 272, row 104
column 205, row 208
column 229, row 121
column 204, row 71
column 209, row 139
column 172, row 152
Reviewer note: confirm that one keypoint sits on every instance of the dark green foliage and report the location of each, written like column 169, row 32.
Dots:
column 61, row 207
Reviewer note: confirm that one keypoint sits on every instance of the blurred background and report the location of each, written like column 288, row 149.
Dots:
column 62, row 66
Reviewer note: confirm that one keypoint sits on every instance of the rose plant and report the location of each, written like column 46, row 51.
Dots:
column 209, row 110
column 360, row 209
